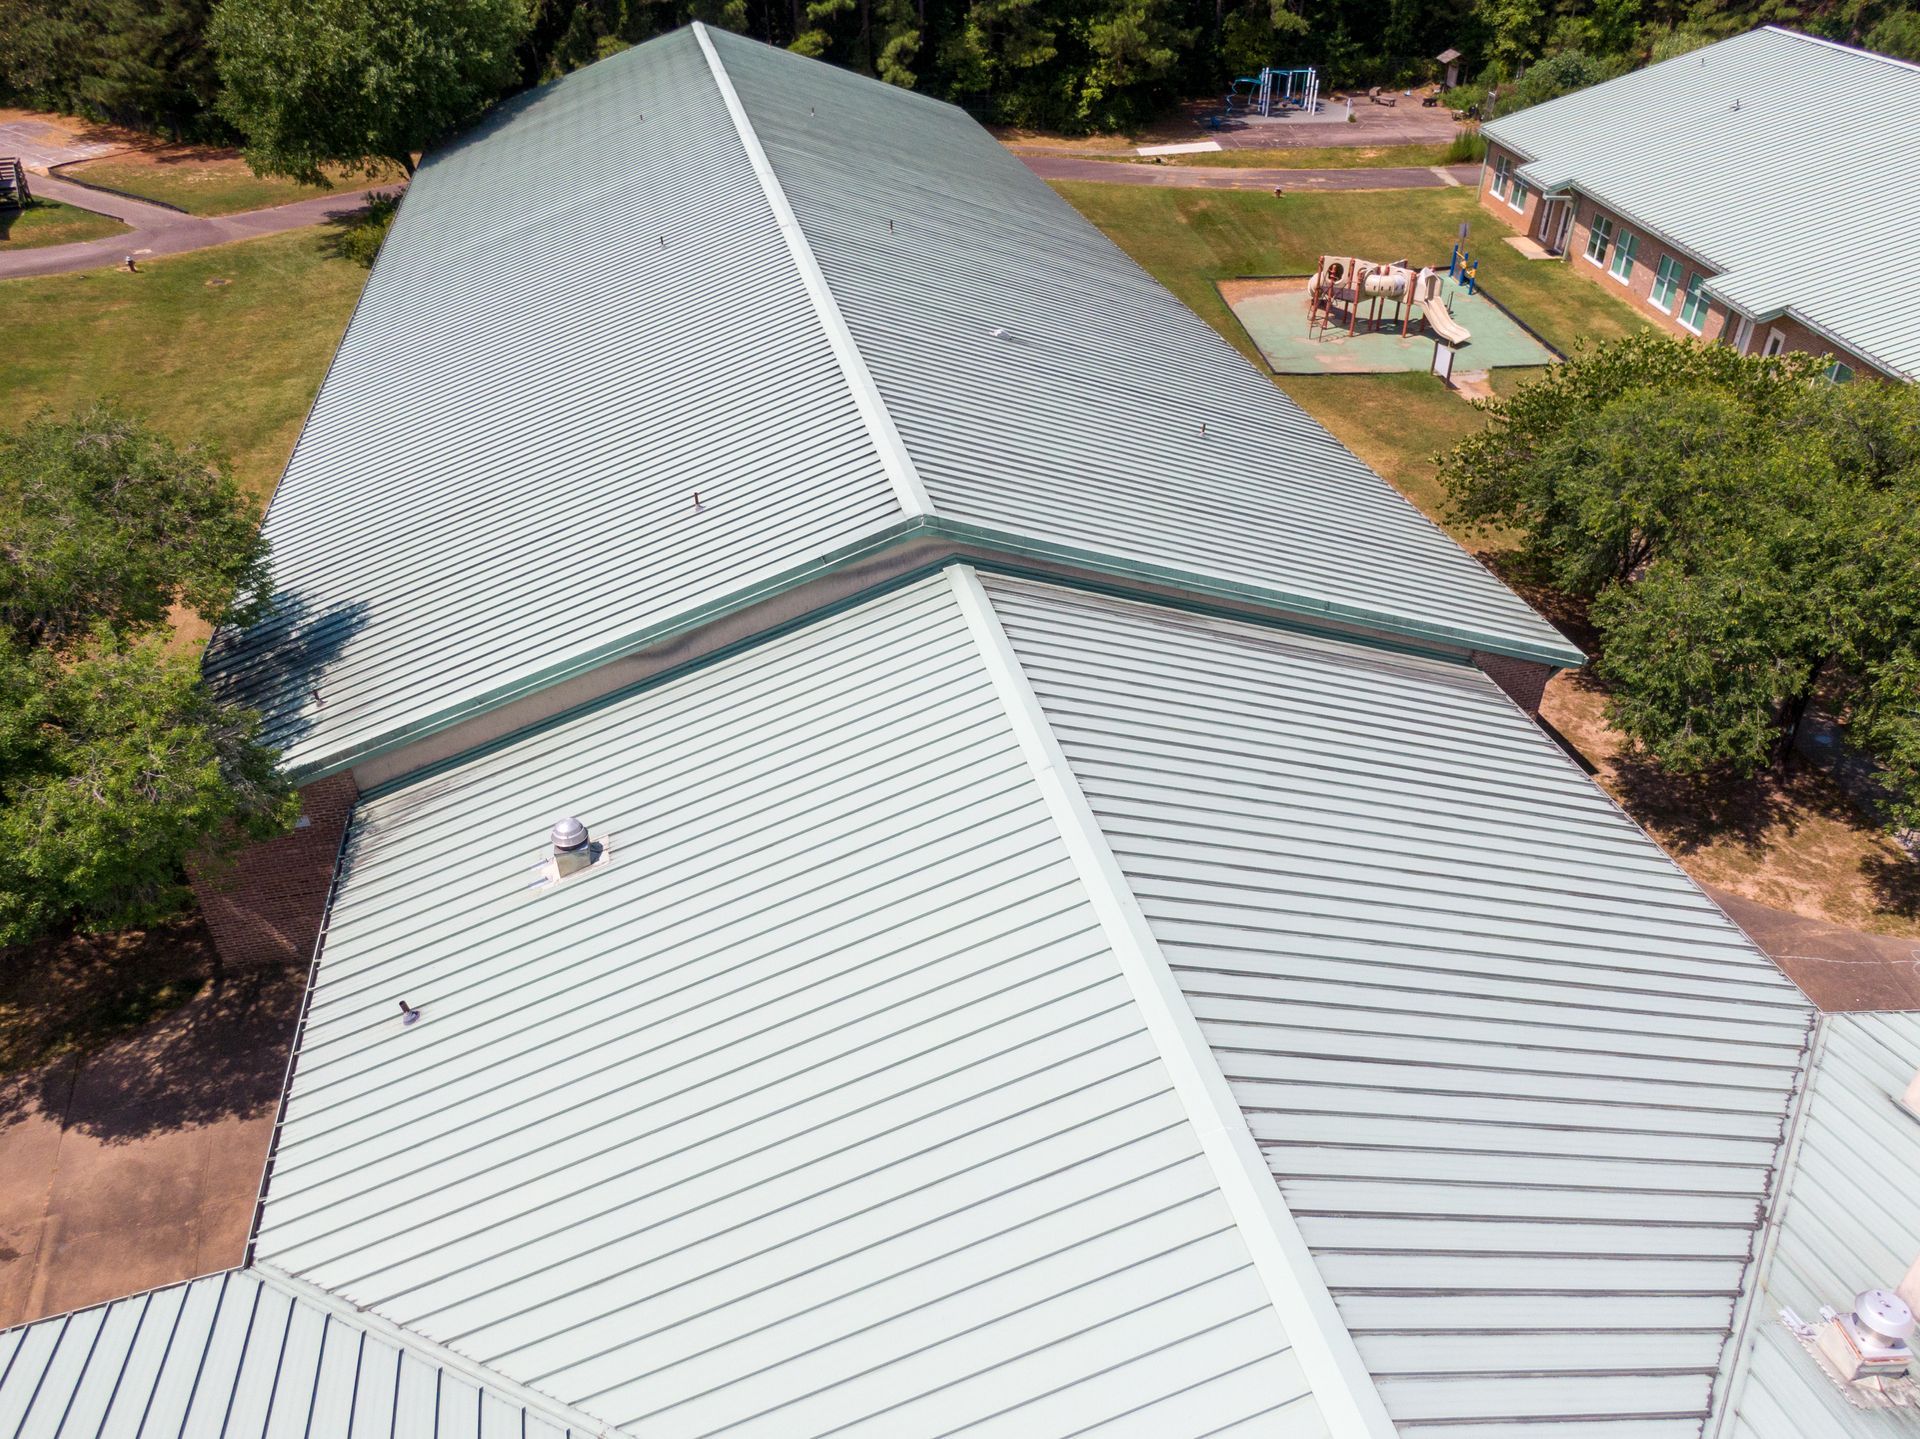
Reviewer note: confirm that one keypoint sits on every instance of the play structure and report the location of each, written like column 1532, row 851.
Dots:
column 1345, row 287
column 1277, row 89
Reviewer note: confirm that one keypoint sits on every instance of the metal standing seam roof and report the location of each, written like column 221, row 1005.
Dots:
column 1780, row 161
column 1522, row 1085
column 828, row 1106
column 1847, row 1221
column 246, row 1354
column 838, row 313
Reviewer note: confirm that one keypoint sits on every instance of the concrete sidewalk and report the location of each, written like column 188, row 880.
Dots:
column 1207, row 177
column 1838, row 968
column 140, row 1164
column 160, row 231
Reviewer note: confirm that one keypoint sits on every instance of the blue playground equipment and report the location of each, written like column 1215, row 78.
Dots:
column 1274, row 89
column 1463, row 268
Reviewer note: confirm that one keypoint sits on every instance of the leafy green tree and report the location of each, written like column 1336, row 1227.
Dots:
column 105, row 523
column 1898, row 35
column 358, row 83
column 1136, row 47
column 116, row 764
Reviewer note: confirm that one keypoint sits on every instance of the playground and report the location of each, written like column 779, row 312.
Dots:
column 1308, row 325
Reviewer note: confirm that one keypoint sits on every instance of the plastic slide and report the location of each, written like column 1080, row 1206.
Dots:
column 1434, row 309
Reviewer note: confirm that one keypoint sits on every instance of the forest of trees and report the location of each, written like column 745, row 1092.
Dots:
column 1054, row 64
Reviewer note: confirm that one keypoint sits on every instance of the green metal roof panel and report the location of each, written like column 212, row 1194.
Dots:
column 1045, row 385
column 824, row 1107
column 1848, row 1219
column 1521, row 1083
column 1781, row 161
column 709, row 267
column 245, row 1355
column 586, row 313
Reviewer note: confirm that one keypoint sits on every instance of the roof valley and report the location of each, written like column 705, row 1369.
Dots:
column 887, row 443
column 1341, row 1382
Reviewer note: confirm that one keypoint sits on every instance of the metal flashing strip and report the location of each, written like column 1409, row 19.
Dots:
column 564, row 1415
column 1340, row 1380
column 866, row 395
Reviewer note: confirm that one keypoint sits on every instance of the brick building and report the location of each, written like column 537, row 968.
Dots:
column 1754, row 192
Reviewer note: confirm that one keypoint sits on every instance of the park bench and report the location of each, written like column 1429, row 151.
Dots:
column 1373, row 94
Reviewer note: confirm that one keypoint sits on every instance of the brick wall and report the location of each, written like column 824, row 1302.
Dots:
column 1798, row 337
column 1520, row 218
column 1523, row 681
column 265, row 906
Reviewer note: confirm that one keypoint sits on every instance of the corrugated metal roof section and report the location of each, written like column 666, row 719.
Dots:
column 824, row 1107
column 1780, row 160
column 1849, row 1220
column 1521, row 1084
column 1083, row 424
column 586, row 313
column 239, row 1356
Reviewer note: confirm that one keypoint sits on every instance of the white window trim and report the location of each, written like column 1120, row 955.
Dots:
column 1592, row 229
column 1620, row 248
column 1770, row 350
column 1673, row 295
column 1706, row 309
column 1517, row 197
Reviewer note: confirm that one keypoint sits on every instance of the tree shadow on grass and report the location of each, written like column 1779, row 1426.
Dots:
column 130, row 1035
column 1894, row 883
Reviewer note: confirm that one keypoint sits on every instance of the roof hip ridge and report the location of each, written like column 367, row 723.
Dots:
column 566, row 1416
column 901, row 471
column 1340, row 1380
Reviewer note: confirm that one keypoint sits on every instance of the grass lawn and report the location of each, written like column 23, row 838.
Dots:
column 236, row 363
column 193, row 178
column 47, row 222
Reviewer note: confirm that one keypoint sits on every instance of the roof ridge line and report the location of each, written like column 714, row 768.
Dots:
column 901, row 471
column 306, row 1291
column 1341, row 1383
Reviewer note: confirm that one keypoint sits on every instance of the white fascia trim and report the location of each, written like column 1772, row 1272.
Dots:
column 306, row 1292
column 1348, row 1399
column 853, row 365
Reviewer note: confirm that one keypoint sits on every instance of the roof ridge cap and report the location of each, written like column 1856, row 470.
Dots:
column 565, row 1415
column 1860, row 50
column 901, row 471
column 1341, row 1383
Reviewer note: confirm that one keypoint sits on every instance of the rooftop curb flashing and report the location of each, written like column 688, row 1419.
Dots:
column 1340, row 1381
column 892, row 450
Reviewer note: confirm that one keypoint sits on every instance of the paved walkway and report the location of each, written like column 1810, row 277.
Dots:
column 1208, row 177
column 1839, row 968
column 139, row 1165
column 160, row 231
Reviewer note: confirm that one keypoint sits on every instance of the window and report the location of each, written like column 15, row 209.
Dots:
column 1518, row 199
column 1776, row 342
column 1622, row 267
column 1693, row 309
column 1839, row 374
column 1599, row 238
column 1502, row 168
column 1666, row 284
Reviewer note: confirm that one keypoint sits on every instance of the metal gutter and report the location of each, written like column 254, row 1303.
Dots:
column 866, row 394
column 1339, row 1378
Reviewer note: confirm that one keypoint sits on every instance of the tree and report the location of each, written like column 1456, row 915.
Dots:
column 116, row 763
column 358, row 83
column 1898, row 35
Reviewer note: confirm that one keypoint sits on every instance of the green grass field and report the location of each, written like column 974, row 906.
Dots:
column 235, row 363
column 197, row 180
column 1188, row 239
column 46, row 222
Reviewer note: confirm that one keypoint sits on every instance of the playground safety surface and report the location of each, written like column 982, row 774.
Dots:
column 1273, row 312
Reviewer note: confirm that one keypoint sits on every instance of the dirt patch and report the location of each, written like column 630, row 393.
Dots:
column 1793, row 841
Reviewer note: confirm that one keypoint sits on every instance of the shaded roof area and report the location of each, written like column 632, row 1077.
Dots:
column 826, row 1106
column 828, row 307
column 1522, row 1085
column 1848, row 1220
column 1781, row 161
column 243, row 1355
column 849, row 1093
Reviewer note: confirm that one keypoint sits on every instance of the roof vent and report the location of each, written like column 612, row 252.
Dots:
column 1872, row 1340
column 572, row 852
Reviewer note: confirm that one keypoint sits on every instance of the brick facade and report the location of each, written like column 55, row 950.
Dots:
column 1637, row 288
column 1523, row 681
column 265, row 906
